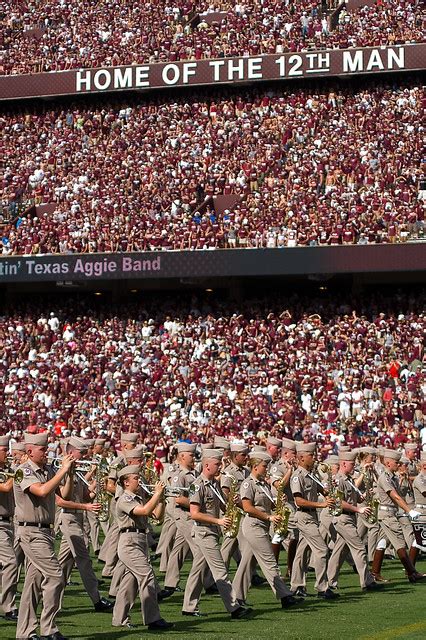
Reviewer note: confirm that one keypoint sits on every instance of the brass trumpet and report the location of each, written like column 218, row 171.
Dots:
column 169, row 492
column 80, row 465
column 17, row 475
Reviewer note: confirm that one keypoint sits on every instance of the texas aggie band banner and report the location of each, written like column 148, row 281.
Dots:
column 336, row 62
column 217, row 263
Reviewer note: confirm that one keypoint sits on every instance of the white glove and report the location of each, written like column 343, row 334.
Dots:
column 414, row 514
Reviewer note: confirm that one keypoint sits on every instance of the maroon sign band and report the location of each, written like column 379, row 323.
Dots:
column 222, row 263
column 305, row 64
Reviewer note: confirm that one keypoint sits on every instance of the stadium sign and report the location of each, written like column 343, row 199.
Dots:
column 247, row 69
column 218, row 263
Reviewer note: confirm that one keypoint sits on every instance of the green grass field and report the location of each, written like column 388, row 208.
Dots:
column 398, row 611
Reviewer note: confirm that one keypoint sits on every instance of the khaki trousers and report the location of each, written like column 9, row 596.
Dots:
column 166, row 540
column 43, row 579
column 309, row 531
column 73, row 549
column 108, row 552
column 8, row 568
column 370, row 534
column 407, row 530
column 393, row 531
column 347, row 541
column 207, row 554
column 257, row 545
column 138, row 577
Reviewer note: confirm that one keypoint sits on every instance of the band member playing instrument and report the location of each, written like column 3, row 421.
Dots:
column 390, row 498
column 8, row 561
column 419, row 488
column 35, row 511
column 258, row 503
column 348, row 539
column 236, row 471
column 206, row 503
column 133, row 509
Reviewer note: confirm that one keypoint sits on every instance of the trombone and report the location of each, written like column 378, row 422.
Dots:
column 17, row 475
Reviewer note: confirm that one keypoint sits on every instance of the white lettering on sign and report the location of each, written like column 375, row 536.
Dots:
column 381, row 59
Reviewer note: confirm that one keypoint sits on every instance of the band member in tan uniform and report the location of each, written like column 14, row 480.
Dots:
column 388, row 492
column 35, row 512
column 91, row 524
column 405, row 480
column 280, row 472
column 305, row 491
column 419, row 487
column 8, row 562
column 184, row 477
column 168, row 530
column 235, row 472
column 73, row 548
column 258, row 503
column 206, row 504
column 108, row 551
column 369, row 532
column 133, row 509
column 348, row 539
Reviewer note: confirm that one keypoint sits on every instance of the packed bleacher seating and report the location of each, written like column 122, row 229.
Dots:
column 336, row 367
column 55, row 36
column 307, row 168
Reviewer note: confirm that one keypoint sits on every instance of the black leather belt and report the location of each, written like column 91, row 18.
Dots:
column 5, row 519
column 133, row 530
column 348, row 513
column 39, row 525
column 307, row 510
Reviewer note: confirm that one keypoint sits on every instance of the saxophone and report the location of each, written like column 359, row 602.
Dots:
column 150, row 477
column 102, row 496
column 370, row 501
column 333, row 491
column 281, row 509
column 232, row 511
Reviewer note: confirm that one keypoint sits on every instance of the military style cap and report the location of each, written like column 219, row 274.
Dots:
column 332, row 460
column 260, row 455
column 207, row 445
column 369, row 450
column 239, row 448
column 186, row 447
column 347, row 456
column 89, row 442
column 288, row 444
column 305, row 447
column 39, row 439
column 275, row 441
column 78, row 443
column 137, row 452
column 130, row 468
column 344, row 447
column 404, row 460
column 100, row 441
column 18, row 446
column 217, row 454
column 129, row 437
column 259, row 447
column 221, row 443
column 4, row 441
column 392, row 454
column 410, row 446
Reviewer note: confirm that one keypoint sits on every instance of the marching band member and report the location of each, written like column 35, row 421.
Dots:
column 168, row 530
column 388, row 492
column 236, row 471
column 92, row 525
column 206, row 503
column 348, row 539
column 305, row 491
column 366, row 480
column 73, row 548
column 35, row 511
column 8, row 561
column 258, row 503
column 419, row 487
column 133, row 509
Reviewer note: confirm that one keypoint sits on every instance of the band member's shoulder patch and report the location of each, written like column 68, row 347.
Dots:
column 245, row 485
column 194, row 488
column 128, row 498
column 175, row 479
column 27, row 471
column 295, row 478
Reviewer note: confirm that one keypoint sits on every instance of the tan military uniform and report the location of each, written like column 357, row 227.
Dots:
column 73, row 547
column 230, row 546
column 8, row 561
column 168, row 529
column 108, row 552
column 388, row 510
column 207, row 494
column 256, row 542
column 307, row 522
column 44, row 577
column 348, row 539
column 407, row 492
column 369, row 532
column 419, row 488
column 277, row 471
column 183, row 539
column 133, row 552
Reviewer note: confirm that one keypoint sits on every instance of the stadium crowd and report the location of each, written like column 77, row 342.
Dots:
column 63, row 35
column 346, row 370
column 327, row 167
